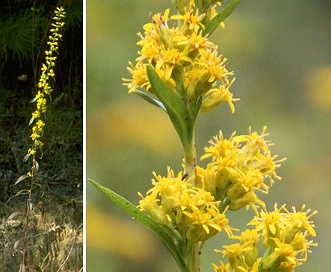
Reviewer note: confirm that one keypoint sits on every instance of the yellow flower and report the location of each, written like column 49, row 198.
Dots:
column 196, row 41
column 36, row 114
column 222, row 268
column 234, row 253
column 41, row 104
column 44, row 67
column 151, row 206
column 215, row 65
column 31, row 151
column 282, row 259
column 271, row 223
column 249, row 237
column 302, row 245
column 39, row 143
column 168, row 60
column 298, row 221
column 34, row 136
column 159, row 19
column 139, row 77
column 220, row 147
column 217, row 96
column 51, row 73
column 40, row 124
column 190, row 21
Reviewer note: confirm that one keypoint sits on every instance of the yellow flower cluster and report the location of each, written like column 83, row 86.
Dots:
column 180, row 207
column 47, row 75
column 240, row 165
column 183, row 58
column 284, row 236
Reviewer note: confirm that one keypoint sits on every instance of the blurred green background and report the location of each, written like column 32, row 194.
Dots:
column 280, row 53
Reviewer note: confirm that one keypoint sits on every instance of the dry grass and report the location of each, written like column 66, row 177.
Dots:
column 54, row 242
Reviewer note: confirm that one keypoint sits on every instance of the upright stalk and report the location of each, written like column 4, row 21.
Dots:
column 190, row 158
column 193, row 250
column 193, row 257
column 27, row 214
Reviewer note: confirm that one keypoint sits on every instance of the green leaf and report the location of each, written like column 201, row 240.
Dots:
column 33, row 99
column 149, row 98
column 26, row 157
column 140, row 216
column 31, row 120
column 23, row 177
column 220, row 17
column 175, row 106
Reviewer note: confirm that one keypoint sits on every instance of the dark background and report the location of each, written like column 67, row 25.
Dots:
column 24, row 30
column 55, row 229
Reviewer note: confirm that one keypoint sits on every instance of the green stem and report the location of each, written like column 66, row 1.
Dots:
column 265, row 255
column 192, row 252
column 194, row 257
column 190, row 159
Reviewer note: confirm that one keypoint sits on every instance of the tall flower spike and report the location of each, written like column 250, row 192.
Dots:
column 45, row 82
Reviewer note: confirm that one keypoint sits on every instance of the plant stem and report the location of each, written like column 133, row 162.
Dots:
column 191, row 257
column 194, row 258
column 193, row 250
column 27, row 214
column 190, row 159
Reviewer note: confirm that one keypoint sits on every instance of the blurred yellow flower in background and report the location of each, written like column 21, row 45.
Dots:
column 142, row 125
column 318, row 83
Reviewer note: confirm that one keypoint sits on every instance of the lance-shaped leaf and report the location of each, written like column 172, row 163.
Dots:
column 23, row 177
column 175, row 106
column 149, row 98
column 220, row 17
column 134, row 212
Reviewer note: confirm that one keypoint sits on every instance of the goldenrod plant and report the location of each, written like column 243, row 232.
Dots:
column 180, row 70
column 41, row 99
